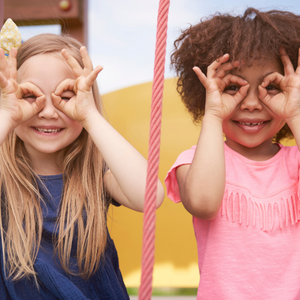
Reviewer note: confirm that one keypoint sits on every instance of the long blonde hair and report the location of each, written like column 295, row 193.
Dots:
column 83, row 203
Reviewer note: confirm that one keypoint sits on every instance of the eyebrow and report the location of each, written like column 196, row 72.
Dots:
column 269, row 73
column 261, row 78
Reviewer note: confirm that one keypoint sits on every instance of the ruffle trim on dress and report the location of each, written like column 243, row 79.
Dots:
column 239, row 208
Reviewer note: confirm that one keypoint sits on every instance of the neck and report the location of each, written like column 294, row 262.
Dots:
column 261, row 152
column 47, row 164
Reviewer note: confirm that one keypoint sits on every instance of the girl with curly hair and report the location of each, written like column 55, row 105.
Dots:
column 240, row 76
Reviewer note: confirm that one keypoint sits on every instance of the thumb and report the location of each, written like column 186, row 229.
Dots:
column 38, row 104
column 58, row 102
column 242, row 92
column 263, row 95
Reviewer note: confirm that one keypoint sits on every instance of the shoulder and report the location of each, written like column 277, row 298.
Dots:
column 289, row 157
column 185, row 158
column 290, row 152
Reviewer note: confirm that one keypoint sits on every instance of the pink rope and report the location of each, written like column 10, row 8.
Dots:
column 148, row 250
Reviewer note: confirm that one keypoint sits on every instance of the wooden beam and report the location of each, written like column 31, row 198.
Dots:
column 1, row 12
column 78, row 31
column 37, row 12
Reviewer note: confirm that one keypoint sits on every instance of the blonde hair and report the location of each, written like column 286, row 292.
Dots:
column 83, row 208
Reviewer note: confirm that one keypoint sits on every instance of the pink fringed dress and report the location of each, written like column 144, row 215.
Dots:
column 251, row 250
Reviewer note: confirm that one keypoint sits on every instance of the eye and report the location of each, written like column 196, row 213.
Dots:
column 270, row 88
column 66, row 98
column 67, row 95
column 273, row 89
column 232, row 89
column 29, row 98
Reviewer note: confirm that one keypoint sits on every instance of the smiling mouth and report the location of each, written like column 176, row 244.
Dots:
column 48, row 130
column 251, row 124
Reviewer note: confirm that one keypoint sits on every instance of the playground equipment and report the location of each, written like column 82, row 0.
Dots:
column 153, row 155
column 70, row 14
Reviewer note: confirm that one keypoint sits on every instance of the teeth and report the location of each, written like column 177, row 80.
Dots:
column 251, row 124
column 47, row 130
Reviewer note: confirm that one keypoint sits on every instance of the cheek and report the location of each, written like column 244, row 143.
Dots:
column 280, row 125
column 78, row 130
column 20, row 130
column 76, row 127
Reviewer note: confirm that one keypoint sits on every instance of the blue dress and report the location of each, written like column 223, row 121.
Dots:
column 54, row 282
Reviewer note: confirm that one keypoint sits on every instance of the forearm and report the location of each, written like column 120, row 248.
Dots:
column 205, row 180
column 126, row 164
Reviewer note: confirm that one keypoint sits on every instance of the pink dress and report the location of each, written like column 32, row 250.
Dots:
column 251, row 250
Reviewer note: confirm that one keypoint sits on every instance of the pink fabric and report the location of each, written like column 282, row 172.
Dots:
column 251, row 250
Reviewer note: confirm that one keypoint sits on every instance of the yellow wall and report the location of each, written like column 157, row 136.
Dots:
column 128, row 110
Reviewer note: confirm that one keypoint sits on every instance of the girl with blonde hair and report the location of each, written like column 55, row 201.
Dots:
column 60, row 164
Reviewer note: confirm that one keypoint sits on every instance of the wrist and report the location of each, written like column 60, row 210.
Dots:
column 212, row 119
column 90, row 121
column 294, row 124
column 6, row 121
column 293, row 121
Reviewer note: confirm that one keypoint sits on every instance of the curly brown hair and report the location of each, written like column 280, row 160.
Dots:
column 256, row 35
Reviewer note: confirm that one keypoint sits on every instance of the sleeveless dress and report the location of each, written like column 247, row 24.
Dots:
column 54, row 282
column 251, row 250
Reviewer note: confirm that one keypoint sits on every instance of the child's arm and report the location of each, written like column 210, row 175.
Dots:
column 126, row 178
column 286, row 102
column 14, row 109
column 202, row 183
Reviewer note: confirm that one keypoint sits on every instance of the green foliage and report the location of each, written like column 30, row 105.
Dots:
column 166, row 291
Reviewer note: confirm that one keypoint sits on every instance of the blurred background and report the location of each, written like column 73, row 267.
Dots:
column 120, row 36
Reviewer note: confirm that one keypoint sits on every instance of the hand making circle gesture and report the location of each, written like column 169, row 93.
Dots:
column 81, row 105
column 14, row 107
column 285, row 104
column 218, row 102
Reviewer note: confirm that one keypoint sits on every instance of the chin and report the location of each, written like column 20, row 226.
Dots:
column 256, row 143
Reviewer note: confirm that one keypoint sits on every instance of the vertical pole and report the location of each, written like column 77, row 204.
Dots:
column 1, row 12
column 78, row 31
column 145, row 290
column 85, row 22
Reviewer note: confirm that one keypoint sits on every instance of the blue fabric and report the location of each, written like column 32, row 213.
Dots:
column 54, row 282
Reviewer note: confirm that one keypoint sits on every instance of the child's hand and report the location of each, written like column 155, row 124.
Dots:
column 81, row 104
column 281, row 93
column 218, row 102
column 15, row 107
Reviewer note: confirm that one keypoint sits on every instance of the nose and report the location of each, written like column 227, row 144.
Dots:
column 49, row 111
column 251, row 102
